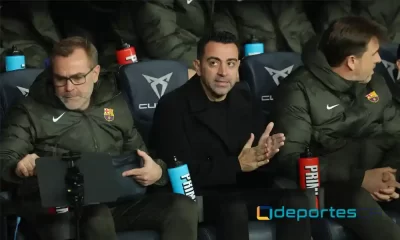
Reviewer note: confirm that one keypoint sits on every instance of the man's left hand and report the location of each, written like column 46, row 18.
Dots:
column 388, row 194
column 271, row 144
column 147, row 175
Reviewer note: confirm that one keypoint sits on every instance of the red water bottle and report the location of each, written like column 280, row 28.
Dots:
column 126, row 54
column 309, row 173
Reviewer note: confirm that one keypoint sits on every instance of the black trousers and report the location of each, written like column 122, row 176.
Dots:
column 231, row 212
column 174, row 216
column 372, row 223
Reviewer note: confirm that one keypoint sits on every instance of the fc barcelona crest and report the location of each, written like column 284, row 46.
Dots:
column 372, row 97
column 109, row 114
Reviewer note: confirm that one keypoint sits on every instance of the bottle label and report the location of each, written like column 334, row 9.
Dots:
column 309, row 175
column 181, row 181
column 126, row 56
column 15, row 63
column 253, row 49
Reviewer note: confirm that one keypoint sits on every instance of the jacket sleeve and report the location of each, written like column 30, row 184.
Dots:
column 169, row 139
column 163, row 38
column 392, row 118
column 292, row 117
column 16, row 141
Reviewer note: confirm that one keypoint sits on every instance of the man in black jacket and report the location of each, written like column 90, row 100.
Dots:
column 345, row 113
column 71, row 108
column 213, row 125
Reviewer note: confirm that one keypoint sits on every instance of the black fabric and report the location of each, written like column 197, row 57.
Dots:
column 372, row 223
column 230, row 212
column 173, row 216
column 185, row 126
column 265, row 72
column 145, row 82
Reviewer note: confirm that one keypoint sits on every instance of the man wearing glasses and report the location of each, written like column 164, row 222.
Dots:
column 71, row 107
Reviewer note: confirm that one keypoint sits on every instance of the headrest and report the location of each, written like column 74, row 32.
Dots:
column 144, row 83
column 264, row 72
column 14, row 85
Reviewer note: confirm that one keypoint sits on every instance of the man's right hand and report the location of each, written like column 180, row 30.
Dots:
column 26, row 166
column 374, row 180
column 252, row 158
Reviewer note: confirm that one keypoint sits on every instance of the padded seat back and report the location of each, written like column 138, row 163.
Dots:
column 388, row 69
column 264, row 73
column 14, row 85
column 144, row 83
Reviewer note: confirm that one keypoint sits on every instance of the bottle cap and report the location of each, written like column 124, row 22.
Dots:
column 124, row 45
column 14, row 51
column 176, row 162
column 253, row 39
column 307, row 153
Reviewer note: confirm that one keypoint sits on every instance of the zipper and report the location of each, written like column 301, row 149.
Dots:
column 92, row 133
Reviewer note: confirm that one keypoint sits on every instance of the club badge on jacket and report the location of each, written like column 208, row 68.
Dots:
column 109, row 114
column 372, row 97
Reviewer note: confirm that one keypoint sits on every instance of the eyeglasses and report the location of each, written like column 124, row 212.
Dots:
column 77, row 79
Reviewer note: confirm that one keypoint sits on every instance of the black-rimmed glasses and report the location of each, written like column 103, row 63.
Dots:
column 77, row 79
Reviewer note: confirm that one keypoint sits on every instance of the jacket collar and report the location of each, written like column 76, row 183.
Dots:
column 239, row 112
column 198, row 100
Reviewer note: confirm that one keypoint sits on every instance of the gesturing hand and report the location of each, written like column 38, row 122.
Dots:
column 273, row 143
column 147, row 175
column 252, row 158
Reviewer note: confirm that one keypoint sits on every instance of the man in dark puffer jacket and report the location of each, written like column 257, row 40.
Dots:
column 345, row 113
column 72, row 108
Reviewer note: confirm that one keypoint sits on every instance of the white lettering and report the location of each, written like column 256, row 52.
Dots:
column 133, row 58
column 147, row 105
column 266, row 98
column 188, row 187
column 312, row 178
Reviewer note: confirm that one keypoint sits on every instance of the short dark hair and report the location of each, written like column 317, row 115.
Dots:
column 66, row 47
column 398, row 53
column 215, row 36
column 348, row 36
